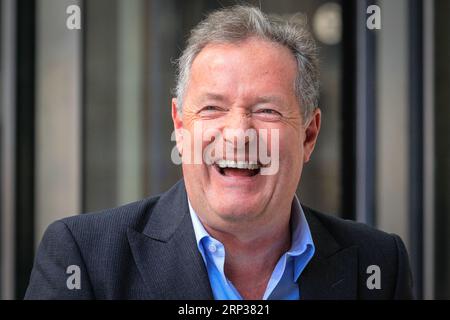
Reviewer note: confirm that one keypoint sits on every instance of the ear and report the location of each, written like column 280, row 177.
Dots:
column 177, row 119
column 311, row 133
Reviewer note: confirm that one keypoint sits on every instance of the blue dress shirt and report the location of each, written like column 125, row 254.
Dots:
column 282, row 284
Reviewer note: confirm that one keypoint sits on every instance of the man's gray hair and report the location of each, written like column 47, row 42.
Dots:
column 238, row 23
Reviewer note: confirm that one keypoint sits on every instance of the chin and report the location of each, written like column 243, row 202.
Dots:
column 239, row 208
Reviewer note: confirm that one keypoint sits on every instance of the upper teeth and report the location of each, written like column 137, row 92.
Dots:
column 237, row 164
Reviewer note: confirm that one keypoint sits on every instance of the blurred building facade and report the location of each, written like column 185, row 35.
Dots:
column 86, row 123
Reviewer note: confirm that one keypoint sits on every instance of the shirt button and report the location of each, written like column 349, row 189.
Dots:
column 212, row 248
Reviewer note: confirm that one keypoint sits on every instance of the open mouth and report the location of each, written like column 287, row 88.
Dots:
column 231, row 168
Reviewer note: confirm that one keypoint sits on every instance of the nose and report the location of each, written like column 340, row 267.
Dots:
column 237, row 123
column 238, row 132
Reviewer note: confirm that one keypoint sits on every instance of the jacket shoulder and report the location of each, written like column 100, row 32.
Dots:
column 349, row 233
column 375, row 247
column 112, row 221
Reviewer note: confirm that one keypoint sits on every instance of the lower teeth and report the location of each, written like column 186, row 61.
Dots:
column 253, row 172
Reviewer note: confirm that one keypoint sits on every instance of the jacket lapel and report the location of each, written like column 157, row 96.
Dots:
column 332, row 272
column 169, row 261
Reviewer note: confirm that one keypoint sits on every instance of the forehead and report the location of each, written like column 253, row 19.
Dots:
column 253, row 66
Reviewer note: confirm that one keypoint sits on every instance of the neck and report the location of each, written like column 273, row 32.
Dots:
column 250, row 261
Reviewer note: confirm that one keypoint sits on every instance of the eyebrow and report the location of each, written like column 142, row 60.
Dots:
column 260, row 99
column 212, row 96
column 271, row 99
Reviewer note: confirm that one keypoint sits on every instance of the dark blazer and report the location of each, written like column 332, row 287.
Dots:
column 147, row 250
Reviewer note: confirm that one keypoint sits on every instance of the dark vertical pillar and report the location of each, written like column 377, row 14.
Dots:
column 25, row 143
column 348, row 114
column 358, row 114
column 365, row 116
column 442, row 149
column 416, row 142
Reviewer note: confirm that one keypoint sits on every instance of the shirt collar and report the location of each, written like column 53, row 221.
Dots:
column 199, row 229
column 302, row 245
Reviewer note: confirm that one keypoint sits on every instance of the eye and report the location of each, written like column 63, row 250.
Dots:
column 210, row 111
column 268, row 113
column 210, row 108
